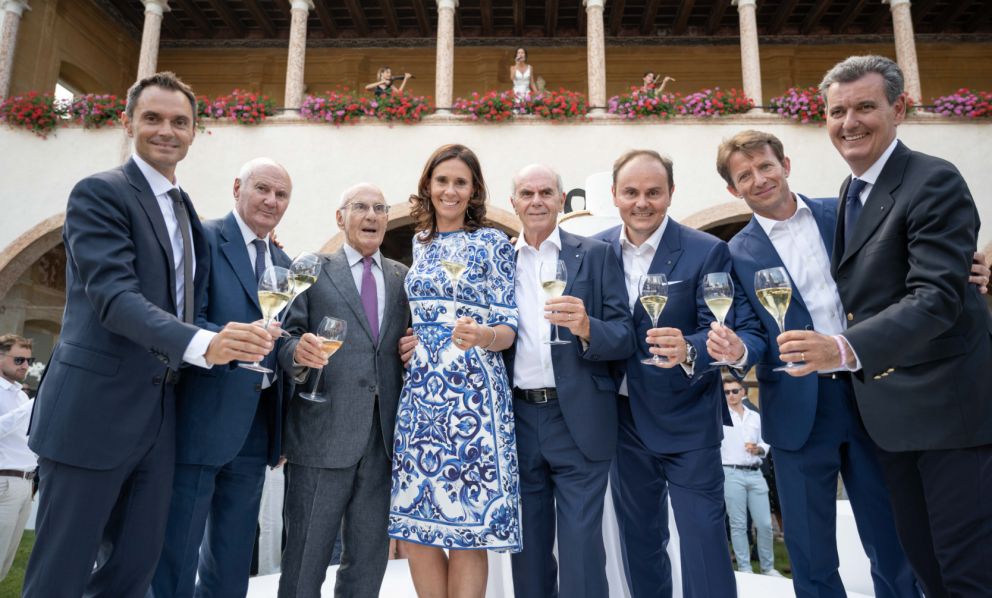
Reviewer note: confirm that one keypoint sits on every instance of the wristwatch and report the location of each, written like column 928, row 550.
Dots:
column 690, row 354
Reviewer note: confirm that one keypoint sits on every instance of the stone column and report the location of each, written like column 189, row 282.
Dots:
column 902, row 27
column 8, row 40
column 445, row 68
column 750, row 61
column 148, row 59
column 595, row 55
column 297, row 53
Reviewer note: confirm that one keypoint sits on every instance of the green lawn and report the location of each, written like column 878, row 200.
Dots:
column 10, row 587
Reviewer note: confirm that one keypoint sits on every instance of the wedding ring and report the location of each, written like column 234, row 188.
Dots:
column 802, row 356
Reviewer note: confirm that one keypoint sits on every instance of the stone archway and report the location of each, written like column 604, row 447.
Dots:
column 722, row 220
column 32, row 284
column 27, row 249
column 399, row 231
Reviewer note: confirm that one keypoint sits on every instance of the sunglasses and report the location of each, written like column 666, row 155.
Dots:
column 733, row 391
column 21, row 360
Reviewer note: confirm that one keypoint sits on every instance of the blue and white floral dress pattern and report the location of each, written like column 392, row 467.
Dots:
column 455, row 475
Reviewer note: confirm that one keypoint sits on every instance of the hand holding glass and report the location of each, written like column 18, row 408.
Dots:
column 654, row 296
column 718, row 293
column 554, row 277
column 304, row 271
column 330, row 334
column 453, row 252
column 774, row 290
column 275, row 288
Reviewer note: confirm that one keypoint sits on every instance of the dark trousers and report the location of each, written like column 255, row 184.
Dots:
column 319, row 503
column 807, row 487
column 559, row 488
column 115, row 518
column 212, row 521
column 942, row 502
column 694, row 480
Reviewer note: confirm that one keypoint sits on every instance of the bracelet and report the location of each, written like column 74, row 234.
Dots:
column 843, row 351
column 492, row 341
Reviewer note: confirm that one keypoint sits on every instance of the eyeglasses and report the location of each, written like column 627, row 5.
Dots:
column 733, row 391
column 21, row 360
column 361, row 207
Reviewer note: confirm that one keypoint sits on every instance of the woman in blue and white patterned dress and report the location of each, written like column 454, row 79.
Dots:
column 455, row 470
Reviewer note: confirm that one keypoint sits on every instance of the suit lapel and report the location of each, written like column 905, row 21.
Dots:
column 393, row 280
column 571, row 253
column 338, row 272
column 233, row 247
column 148, row 203
column 879, row 203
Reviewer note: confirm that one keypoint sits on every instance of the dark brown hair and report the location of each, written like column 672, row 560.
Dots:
column 422, row 210
column 628, row 156
column 746, row 142
column 165, row 80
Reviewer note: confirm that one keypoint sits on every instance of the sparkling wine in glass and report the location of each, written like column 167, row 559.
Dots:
column 275, row 289
column 718, row 293
column 454, row 261
column 330, row 333
column 304, row 271
column 654, row 295
column 774, row 291
column 554, row 276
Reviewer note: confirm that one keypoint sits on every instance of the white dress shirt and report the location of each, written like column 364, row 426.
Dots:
column 746, row 428
column 798, row 242
column 15, row 408
column 532, row 367
column 357, row 269
column 197, row 347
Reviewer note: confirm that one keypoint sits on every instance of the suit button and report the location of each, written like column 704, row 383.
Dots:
column 258, row 388
column 850, row 317
column 372, row 388
column 156, row 380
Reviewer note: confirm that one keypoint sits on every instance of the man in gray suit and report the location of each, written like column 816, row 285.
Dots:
column 339, row 452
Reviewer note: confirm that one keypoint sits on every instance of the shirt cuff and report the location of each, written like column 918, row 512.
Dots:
column 740, row 363
column 857, row 360
column 688, row 369
column 196, row 350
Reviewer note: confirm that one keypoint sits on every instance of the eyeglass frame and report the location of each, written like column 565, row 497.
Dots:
column 734, row 391
column 354, row 205
column 20, row 360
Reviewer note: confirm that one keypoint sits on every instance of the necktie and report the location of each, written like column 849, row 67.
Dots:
column 370, row 300
column 182, row 216
column 852, row 208
column 259, row 258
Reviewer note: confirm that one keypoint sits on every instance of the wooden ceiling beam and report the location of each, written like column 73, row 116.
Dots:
column 782, row 16
column 980, row 18
column 486, row 10
column 228, row 16
column 550, row 17
column 616, row 17
column 423, row 23
column 952, row 14
column 814, row 16
column 716, row 17
column 519, row 12
column 358, row 17
column 682, row 16
column 326, row 22
column 580, row 22
column 920, row 8
column 650, row 16
column 851, row 12
column 196, row 15
column 389, row 13
column 260, row 17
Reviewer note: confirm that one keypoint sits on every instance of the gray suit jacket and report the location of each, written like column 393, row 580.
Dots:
column 334, row 434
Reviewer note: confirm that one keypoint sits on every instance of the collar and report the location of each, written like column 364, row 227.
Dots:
column 871, row 175
column 353, row 257
column 6, row 384
column 768, row 224
column 159, row 184
column 653, row 241
column 554, row 238
column 248, row 234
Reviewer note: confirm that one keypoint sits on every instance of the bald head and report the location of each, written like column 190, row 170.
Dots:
column 249, row 168
column 537, row 199
column 537, row 168
column 261, row 194
column 361, row 189
column 362, row 215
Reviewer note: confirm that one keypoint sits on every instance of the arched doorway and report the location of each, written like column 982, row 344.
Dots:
column 723, row 221
column 398, row 243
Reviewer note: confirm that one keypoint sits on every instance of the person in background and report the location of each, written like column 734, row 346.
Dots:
column 17, row 462
column 522, row 75
column 383, row 85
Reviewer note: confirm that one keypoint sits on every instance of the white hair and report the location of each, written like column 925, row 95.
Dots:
column 352, row 191
column 557, row 177
column 249, row 167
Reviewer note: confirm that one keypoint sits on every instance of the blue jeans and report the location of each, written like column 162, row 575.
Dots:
column 747, row 491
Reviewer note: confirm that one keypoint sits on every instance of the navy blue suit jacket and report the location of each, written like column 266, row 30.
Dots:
column 215, row 407
column 105, row 388
column 673, row 412
column 586, row 388
column 788, row 404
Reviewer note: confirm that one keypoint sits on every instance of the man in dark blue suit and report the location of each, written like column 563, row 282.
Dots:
column 104, row 419
column 812, row 421
column 671, row 417
column 919, row 338
column 564, row 396
column 229, row 420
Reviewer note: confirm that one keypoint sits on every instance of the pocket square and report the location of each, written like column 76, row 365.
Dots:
column 671, row 282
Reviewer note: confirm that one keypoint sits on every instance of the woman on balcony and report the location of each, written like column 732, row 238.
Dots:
column 522, row 75
column 383, row 86
column 455, row 481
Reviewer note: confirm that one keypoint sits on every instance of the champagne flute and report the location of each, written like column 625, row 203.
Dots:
column 453, row 252
column 654, row 295
column 718, row 293
column 554, row 275
column 275, row 289
column 330, row 333
column 774, row 291
column 304, row 271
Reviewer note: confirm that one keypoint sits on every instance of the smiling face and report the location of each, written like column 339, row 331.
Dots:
column 365, row 228
column 451, row 189
column 162, row 127
column 761, row 181
column 537, row 200
column 642, row 195
column 860, row 120
column 263, row 198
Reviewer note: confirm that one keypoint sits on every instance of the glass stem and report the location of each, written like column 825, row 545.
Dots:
column 556, row 334
column 316, row 381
